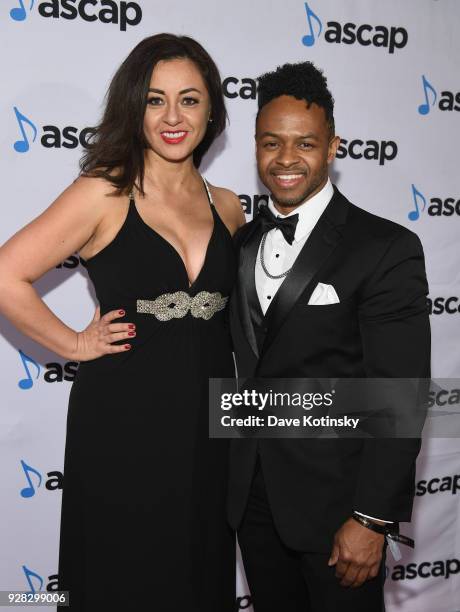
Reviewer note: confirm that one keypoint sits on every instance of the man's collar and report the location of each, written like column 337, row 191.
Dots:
column 309, row 211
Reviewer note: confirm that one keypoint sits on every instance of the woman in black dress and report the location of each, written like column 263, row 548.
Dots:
column 148, row 533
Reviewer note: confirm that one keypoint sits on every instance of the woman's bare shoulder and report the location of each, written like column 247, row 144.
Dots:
column 94, row 195
column 95, row 187
column 108, row 209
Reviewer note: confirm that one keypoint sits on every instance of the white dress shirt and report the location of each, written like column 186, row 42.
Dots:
column 280, row 256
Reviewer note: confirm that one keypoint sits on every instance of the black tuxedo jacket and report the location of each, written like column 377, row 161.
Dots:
column 379, row 329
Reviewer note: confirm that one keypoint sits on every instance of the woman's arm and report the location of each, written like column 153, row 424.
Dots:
column 63, row 228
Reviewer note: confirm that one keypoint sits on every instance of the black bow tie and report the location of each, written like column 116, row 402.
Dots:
column 287, row 225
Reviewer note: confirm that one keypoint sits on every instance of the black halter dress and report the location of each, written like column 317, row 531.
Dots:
column 143, row 523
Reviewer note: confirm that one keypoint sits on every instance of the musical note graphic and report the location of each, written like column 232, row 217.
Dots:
column 30, row 574
column 30, row 490
column 22, row 146
column 309, row 39
column 19, row 13
column 424, row 108
column 415, row 214
column 27, row 383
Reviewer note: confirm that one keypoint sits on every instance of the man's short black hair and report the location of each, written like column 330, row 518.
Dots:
column 302, row 81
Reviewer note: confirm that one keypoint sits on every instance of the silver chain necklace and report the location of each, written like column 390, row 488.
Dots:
column 262, row 261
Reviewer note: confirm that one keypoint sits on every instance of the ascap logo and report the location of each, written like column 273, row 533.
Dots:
column 122, row 14
column 34, row 480
column 443, row 397
column 447, row 101
column 388, row 37
column 441, row 305
column 244, row 88
column 438, row 207
column 439, row 485
column 35, row 582
column 58, row 372
column 381, row 151
column 52, row 137
column 54, row 371
column 426, row 569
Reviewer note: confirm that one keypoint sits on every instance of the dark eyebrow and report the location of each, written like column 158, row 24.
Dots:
column 271, row 134
column 310, row 136
column 300, row 137
column 184, row 91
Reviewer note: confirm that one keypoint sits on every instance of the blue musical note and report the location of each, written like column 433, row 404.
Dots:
column 415, row 214
column 19, row 13
column 309, row 39
column 424, row 108
column 27, row 383
column 30, row 490
column 22, row 146
column 30, row 574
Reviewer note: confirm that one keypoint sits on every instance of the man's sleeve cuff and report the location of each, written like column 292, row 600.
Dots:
column 373, row 517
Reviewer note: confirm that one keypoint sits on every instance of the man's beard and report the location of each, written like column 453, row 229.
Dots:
column 292, row 203
column 289, row 203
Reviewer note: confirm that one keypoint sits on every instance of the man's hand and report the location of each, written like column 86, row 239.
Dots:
column 357, row 553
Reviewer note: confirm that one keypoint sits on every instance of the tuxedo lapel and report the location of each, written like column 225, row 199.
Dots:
column 248, row 303
column 320, row 244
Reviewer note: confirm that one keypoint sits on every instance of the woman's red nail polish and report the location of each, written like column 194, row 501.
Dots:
column 131, row 326
column 127, row 346
column 122, row 312
column 131, row 333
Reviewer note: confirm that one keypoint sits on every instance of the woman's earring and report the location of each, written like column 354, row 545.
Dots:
column 210, row 119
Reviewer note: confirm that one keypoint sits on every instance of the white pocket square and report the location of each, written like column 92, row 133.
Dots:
column 323, row 295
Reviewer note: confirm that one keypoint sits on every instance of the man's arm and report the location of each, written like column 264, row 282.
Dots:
column 395, row 331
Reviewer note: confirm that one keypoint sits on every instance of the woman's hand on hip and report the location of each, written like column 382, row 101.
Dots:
column 98, row 338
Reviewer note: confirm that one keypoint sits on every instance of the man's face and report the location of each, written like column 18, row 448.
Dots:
column 293, row 148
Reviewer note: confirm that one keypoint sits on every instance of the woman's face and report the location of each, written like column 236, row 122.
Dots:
column 178, row 109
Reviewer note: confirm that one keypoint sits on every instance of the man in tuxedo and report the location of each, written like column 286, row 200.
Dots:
column 325, row 289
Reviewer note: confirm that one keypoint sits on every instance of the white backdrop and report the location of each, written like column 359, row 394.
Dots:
column 391, row 67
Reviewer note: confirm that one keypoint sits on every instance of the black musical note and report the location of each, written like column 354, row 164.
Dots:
column 309, row 39
column 415, row 214
column 30, row 490
column 424, row 108
column 27, row 383
column 30, row 574
column 19, row 13
column 22, row 146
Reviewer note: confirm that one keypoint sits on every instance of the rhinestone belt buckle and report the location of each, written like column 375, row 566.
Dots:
column 203, row 305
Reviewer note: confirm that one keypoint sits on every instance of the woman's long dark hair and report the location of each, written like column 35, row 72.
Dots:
column 119, row 142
